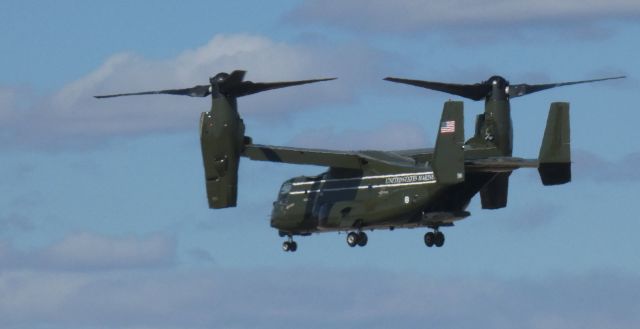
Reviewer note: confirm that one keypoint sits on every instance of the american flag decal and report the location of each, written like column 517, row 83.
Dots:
column 448, row 127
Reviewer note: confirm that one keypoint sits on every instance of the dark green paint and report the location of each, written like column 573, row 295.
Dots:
column 364, row 190
column 221, row 139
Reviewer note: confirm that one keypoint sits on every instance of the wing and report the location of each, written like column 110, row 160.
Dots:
column 359, row 159
column 294, row 155
column 419, row 155
column 325, row 158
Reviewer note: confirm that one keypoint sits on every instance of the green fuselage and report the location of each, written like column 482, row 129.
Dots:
column 372, row 201
column 325, row 203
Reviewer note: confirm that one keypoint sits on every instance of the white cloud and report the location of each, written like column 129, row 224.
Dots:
column 415, row 16
column 86, row 251
column 313, row 298
column 71, row 116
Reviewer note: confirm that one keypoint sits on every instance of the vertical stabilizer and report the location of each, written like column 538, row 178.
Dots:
column 555, row 152
column 495, row 194
column 448, row 157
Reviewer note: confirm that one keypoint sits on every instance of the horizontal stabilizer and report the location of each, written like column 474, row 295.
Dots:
column 499, row 164
column 555, row 152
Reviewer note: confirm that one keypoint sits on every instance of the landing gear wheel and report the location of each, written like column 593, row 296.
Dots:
column 362, row 239
column 429, row 239
column 289, row 246
column 352, row 239
column 439, row 239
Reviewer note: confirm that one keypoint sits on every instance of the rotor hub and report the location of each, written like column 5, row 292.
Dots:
column 498, row 81
column 499, row 86
column 218, row 78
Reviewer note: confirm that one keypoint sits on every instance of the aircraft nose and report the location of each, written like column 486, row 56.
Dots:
column 276, row 216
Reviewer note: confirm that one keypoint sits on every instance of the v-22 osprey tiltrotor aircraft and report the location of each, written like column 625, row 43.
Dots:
column 369, row 190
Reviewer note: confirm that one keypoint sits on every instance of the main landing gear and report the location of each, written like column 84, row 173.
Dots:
column 289, row 245
column 435, row 238
column 357, row 238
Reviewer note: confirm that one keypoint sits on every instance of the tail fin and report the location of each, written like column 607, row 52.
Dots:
column 555, row 152
column 448, row 156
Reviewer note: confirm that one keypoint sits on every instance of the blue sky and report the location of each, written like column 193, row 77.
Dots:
column 103, row 216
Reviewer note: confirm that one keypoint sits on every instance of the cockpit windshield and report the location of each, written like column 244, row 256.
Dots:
column 286, row 187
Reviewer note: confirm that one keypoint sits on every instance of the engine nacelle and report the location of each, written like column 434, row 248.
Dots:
column 221, row 139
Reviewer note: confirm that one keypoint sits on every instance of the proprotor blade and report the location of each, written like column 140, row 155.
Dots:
column 227, row 84
column 247, row 87
column 197, row 91
column 525, row 89
column 475, row 92
column 236, row 77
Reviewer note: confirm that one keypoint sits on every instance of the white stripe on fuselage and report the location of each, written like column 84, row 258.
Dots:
column 360, row 178
column 362, row 187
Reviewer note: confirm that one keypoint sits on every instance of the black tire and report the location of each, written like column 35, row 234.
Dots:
column 439, row 239
column 352, row 239
column 286, row 246
column 429, row 239
column 294, row 246
column 362, row 239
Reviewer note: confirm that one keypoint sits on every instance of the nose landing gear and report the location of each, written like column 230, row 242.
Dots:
column 357, row 238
